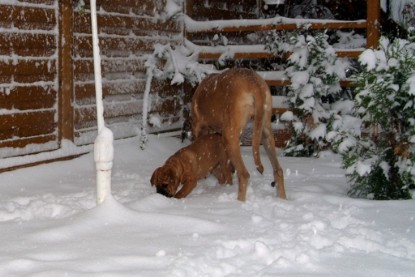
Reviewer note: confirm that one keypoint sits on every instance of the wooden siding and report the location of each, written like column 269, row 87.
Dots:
column 47, row 90
column 28, row 75
column 128, row 31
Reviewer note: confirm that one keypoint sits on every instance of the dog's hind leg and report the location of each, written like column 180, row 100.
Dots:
column 233, row 150
column 224, row 169
column 223, row 173
column 258, row 125
column 269, row 145
column 256, row 138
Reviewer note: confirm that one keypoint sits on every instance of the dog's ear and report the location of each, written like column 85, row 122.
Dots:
column 173, row 178
column 153, row 178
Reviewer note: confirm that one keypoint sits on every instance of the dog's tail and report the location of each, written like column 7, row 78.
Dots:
column 261, row 103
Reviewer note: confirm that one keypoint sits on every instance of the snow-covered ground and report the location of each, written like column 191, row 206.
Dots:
column 50, row 225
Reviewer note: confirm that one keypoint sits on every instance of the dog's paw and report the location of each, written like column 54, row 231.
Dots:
column 260, row 169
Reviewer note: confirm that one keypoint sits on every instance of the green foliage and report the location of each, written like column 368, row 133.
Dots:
column 372, row 173
column 376, row 138
column 381, row 164
column 408, row 14
column 315, row 73
column 383, row 94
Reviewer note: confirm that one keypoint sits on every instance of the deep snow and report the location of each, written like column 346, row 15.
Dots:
column 51, row 226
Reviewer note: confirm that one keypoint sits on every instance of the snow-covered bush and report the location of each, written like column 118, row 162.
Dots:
column 315, row 73
column 408, row 14
column 178, row 64
column 380, row 164
column 310, row 9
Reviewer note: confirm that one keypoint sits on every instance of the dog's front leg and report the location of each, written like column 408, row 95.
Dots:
column 189, row 183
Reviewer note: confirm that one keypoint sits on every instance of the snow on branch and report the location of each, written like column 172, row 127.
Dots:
column 218, row 25
column 178, row 64
column 172, row 8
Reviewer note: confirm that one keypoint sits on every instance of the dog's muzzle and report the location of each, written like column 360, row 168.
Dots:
column 163, row 190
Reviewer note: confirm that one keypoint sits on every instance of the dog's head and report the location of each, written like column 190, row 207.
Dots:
column 165, row 180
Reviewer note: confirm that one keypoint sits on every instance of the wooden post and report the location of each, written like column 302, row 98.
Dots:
column 373, row 24
column 188, row 11
column 66, row 74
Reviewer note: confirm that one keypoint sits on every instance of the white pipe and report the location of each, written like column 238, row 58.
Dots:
column 103, row 146
column 97, row 66
column 103, row 156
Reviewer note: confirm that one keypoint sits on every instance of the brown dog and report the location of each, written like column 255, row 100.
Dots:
column 191, row 163
column 224, row 103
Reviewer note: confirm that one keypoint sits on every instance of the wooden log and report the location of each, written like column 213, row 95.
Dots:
column 268, row 55
column 85, row 92
column 28, row 18
column 329, row 25
column 117, row 47
column 25, row 66
column 30, row 97
column 28, row 124
column 22, row 142
column 27, row 44
column 85, row 116
column 138, row 7
column 110, row 66
column 128, row 23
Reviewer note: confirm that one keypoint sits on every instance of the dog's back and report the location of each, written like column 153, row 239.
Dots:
column 224, row 103
column 230, row 99
column 203, row 154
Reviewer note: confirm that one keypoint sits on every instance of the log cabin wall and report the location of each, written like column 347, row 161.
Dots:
column 128, row 29
column 28, row 77
column 47, row 92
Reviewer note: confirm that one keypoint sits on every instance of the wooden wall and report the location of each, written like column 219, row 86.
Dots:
column 128, row 31
column 28, row 76
column 47, row 89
